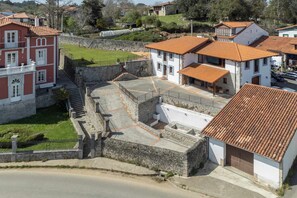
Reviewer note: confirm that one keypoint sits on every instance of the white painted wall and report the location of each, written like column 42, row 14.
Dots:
column 276, row 60
column 291, row 32
column 169, row 113
column 155, row 60
column 189, row 58
column 217, row 151
column 264, row 73
column 250, row 34
column 290, row 155
column 267, row 171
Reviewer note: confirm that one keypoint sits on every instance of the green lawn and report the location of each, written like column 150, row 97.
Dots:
column 96, row 57
column 176, row 18
column 53, row 122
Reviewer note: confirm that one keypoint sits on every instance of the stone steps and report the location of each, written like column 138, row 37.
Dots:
column 76, row 102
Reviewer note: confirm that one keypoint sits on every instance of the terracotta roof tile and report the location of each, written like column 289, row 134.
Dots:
column 276, row 44
column 235, row 24
column 21, row 15
column 204, row 72
column 34, row 31
column 180, row 45
column 233, row 51
column 258, row 119
column 288, row 27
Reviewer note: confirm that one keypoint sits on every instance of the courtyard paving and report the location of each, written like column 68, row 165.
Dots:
column 108, row 96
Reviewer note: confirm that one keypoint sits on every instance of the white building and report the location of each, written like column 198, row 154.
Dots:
column 244, row 33
column 290, row 31
column 254, row 136
column 216, row 66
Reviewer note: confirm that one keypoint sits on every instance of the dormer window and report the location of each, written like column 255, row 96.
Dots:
column 41, row 42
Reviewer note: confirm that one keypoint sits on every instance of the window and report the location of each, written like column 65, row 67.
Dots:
column 11, row 39
column 159, row 53
column 256, row 68
column 265, row 61
column 11, row 59
column 15, row 90
column 285, row 35
column 212, row 60
column 164, row 56
column 225, row 80
column 171, row 70
column 159, row 66
column 41, row 42
column 200, row 58
column 295, row 35
column 170, row 56
column 41, row 57
column 247, row 65
column 41, row 76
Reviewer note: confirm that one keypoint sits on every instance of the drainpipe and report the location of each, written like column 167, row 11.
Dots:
column 235, row 77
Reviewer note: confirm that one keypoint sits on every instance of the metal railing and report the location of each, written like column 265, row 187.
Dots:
column 16, row 70
column 20, row 44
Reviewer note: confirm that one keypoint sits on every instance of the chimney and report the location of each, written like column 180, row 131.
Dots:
column 36, row 21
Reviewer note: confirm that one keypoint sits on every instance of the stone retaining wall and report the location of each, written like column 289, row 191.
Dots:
column 45, row 100
column 39, row 155
column 156, row 158
column 106, row 44
column 147, row 109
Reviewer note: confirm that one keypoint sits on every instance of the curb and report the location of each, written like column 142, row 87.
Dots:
column 75, row 167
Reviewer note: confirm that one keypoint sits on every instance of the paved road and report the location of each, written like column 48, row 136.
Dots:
column 47, row 183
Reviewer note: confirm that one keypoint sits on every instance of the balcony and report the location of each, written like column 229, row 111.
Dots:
column 18, row 70
column 13, row 45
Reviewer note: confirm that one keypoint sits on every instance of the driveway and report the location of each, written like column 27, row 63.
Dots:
column 290, row 83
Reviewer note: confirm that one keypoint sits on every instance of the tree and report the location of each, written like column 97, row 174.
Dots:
column 92, row 11
column 194, row 9
column 131, row 16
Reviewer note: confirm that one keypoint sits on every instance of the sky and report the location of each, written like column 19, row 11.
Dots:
column 147, row 2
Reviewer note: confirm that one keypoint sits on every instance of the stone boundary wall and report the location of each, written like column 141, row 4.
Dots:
column 106, row 44
column 185, row 139
column 17, row 110
column 39, row 155
column 156, row 158
column 45, row 100
column 95, row 117
column 148, row 128
column 131, row 106
column 201, row 108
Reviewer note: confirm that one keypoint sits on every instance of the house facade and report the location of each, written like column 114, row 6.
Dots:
column 290, row 31
column 164, row 9
column 216, row 66
column 252, row 135
column 29, row 59
column 244, row 33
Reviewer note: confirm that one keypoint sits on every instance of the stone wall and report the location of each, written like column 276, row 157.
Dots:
column 94, row 116
column 211, row 109
column 17, row 110
column 131, row 105
column 155, row 158
column 147, row 109
column 45, row 100
column 106, row 44
column 102, row 73
column 39, row 155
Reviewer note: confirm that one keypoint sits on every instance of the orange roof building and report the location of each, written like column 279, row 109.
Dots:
column 253, row 135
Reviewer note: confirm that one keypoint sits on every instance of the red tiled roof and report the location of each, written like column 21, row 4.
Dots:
column 258, row 119
column 288, row 27
column 235, row 24
column 233, row 51
column 204, row 72
column 164, row 4
column 21, row 15
column 180, row 45
column 34, row 30
column 276, row 44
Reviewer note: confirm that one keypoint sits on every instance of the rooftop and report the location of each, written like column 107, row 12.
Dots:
column 164, row 4
column 34, row 30
column 288, row 27
column 276, row 44
column 21, row 15
column 180, row 45
column 235, row 24
column 233, row 51
column 258, row 119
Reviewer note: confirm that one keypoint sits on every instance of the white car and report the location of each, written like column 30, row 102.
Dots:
column 288, row 89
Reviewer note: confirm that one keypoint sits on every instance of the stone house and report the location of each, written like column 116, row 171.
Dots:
column 163, row 9
column 256, row 133
column 212, row 65
column 29, row 60
column 240, row 32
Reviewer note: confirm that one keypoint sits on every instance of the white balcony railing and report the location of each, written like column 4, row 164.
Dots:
column 18, row 70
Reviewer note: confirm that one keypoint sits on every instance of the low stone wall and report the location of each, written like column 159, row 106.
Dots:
column 45, row 100
column 106, row 44
column 39, row 155
column 210, row 109
column 147, row 109
column 148, row 128
column 17, row 110
column 95, row 117
column 131, row 106
column 102, row 73
column 156, row 158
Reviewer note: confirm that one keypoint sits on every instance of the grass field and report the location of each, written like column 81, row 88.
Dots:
column 176, row 18
column 53, row 122
column 96, row 57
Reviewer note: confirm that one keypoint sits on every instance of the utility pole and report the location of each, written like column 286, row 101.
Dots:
column 191, row 27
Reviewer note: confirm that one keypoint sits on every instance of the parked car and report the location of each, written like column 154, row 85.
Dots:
column 277, row 77
column 288, row 89
column 290, row 75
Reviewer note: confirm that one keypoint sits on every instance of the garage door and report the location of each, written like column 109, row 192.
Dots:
column 240, row 159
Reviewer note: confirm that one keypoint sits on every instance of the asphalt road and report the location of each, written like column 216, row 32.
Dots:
column 60, row 183
column 289, row 83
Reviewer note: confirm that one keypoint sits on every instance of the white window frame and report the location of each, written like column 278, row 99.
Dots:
column 171, row 54
column 159, row 53
column 39, row 62
column 7, row 64
column 16, row 91
column 38, row 73
column 39, row 42
column 267, row 60
column 11, row 44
